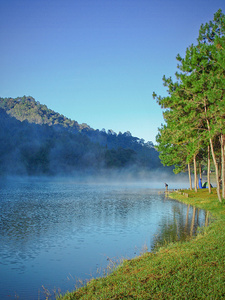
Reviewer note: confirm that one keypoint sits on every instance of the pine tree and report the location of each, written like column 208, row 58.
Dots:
column 196, row 102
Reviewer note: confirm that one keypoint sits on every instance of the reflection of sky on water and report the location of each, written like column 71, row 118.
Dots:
column 51, row 229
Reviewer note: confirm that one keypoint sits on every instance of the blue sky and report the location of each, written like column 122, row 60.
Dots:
column 98, row 61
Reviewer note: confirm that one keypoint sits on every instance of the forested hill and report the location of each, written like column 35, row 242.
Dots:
column 36, row 140
column 26, row 108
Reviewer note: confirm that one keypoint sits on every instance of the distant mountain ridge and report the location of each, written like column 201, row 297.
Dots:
column 36, row 140
column 26, row 108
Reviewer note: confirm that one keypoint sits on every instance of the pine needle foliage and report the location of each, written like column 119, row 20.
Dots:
column 194, row 110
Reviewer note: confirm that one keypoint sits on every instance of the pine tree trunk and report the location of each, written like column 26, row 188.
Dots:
column 200, row 173
column 223, row 164
column 220, row 166
column 214, row 160
column 200, row 170
column 208, row 171
column 189, row 174
column 195, row 174
column 217, row 170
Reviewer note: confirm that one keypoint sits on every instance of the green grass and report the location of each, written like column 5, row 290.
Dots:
column 193, row 269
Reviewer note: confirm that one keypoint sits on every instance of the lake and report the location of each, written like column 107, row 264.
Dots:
column 56, row 232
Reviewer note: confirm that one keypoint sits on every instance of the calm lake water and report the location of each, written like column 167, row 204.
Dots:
column 55, row 232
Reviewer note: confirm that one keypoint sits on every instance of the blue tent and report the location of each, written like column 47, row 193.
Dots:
column 205, row 185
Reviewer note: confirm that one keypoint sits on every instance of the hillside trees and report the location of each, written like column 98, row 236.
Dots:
column 35, row 140
column 195, row 107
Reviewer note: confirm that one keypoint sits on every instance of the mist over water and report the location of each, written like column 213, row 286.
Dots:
column 55, row 231
column 154, row 179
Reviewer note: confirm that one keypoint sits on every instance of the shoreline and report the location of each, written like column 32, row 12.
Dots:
column 193, row 269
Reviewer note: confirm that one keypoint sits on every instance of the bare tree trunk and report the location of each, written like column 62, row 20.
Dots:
column 200, row 170
column 189, row 174
column 208, row 171
column 195, row 174
column 217, row 171
column 223, row 164
column 214, row 159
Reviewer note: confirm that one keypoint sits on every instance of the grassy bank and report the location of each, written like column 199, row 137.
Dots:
column 189, row 270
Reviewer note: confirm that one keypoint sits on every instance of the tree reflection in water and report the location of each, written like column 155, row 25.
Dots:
column 179, row 228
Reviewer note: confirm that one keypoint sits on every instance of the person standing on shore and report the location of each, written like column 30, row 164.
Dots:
column 166, row 186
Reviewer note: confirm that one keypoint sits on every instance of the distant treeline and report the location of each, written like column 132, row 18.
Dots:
column 35, row 140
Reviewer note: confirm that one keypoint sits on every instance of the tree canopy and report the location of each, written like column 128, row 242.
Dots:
column 194, row 109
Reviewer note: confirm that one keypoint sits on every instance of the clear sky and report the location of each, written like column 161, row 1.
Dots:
column 98, row 61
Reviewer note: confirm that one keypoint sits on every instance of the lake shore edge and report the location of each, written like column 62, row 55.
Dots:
column 182, row 270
